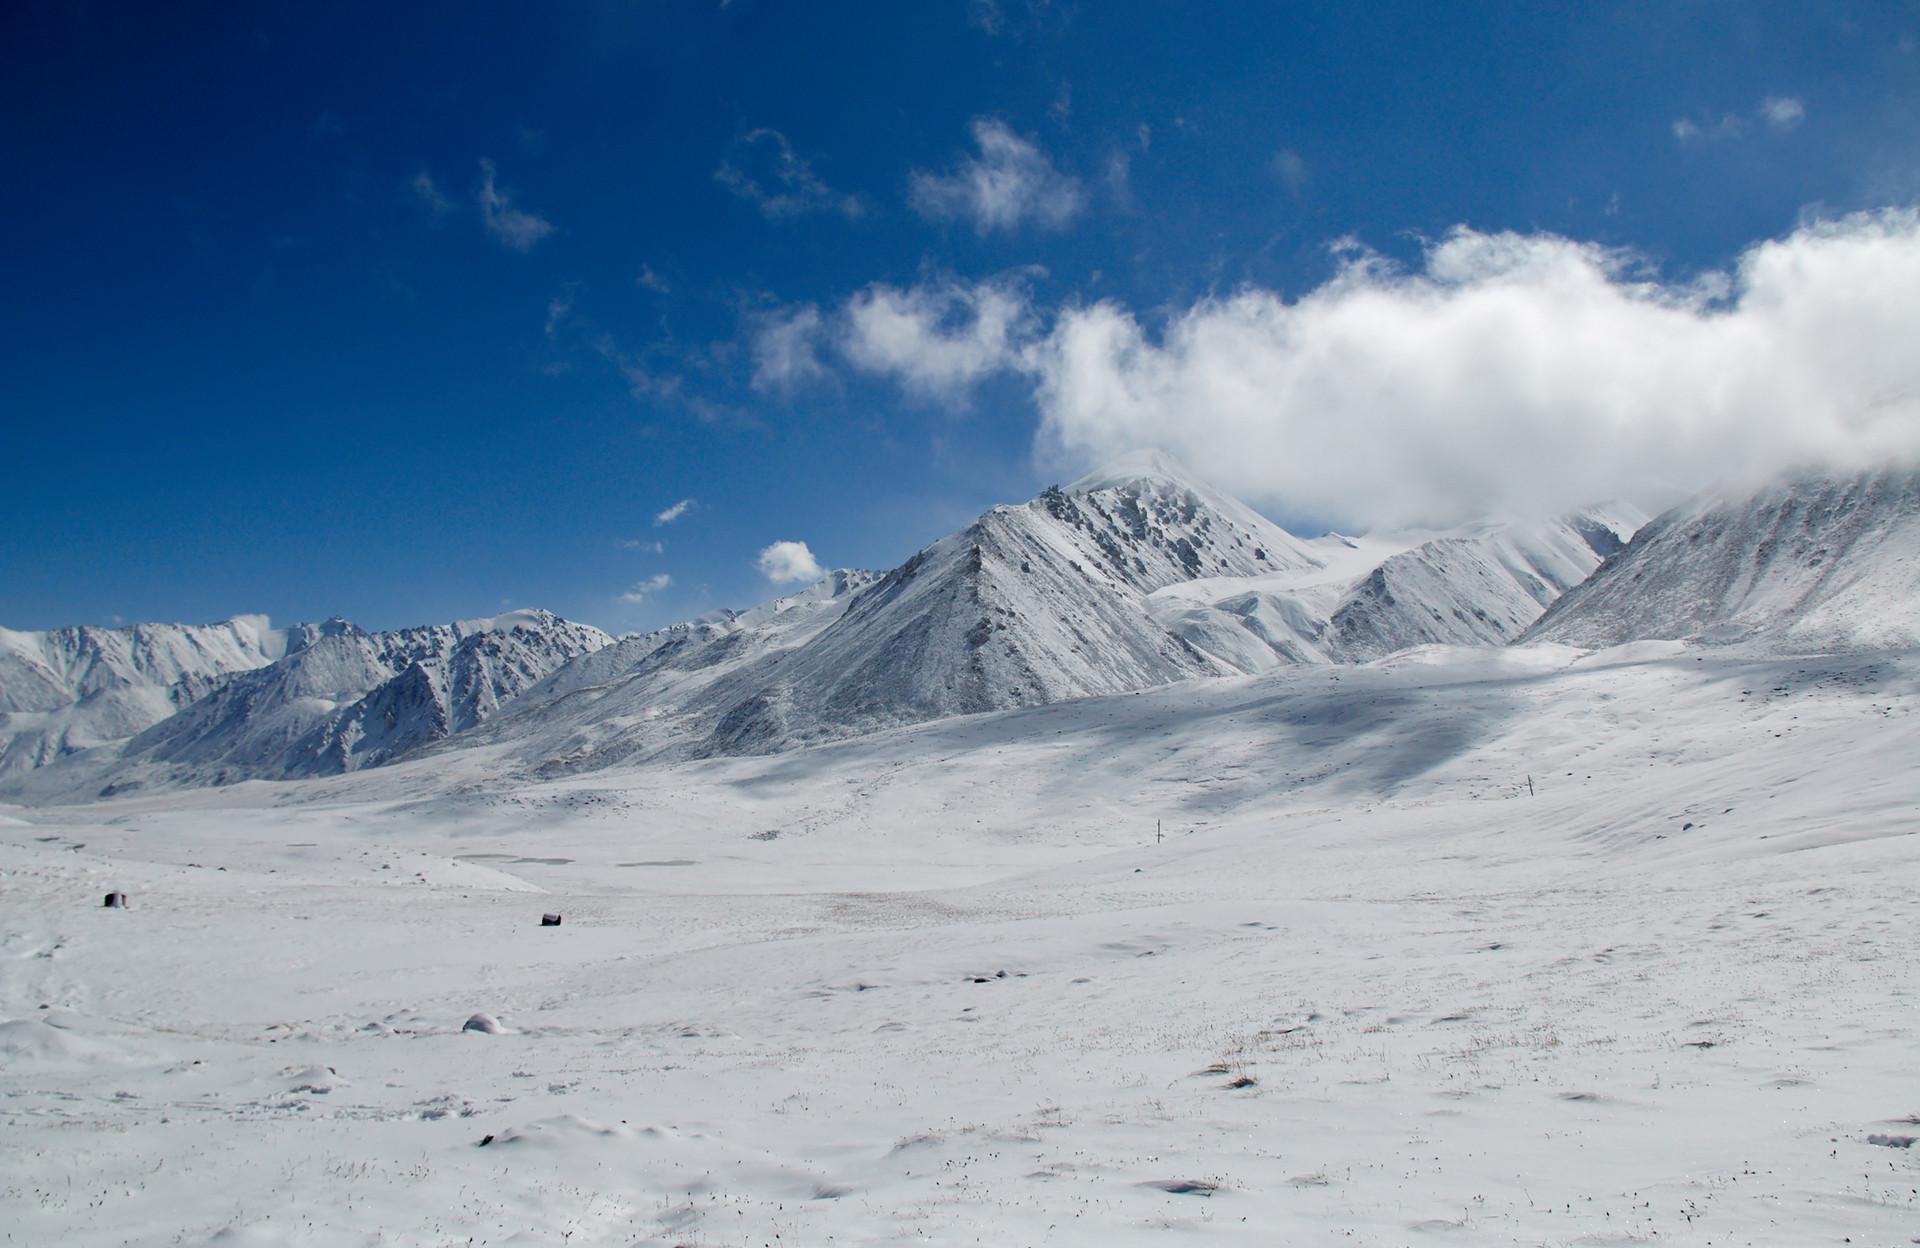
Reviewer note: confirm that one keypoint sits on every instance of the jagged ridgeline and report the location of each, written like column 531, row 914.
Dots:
column 1129, row 578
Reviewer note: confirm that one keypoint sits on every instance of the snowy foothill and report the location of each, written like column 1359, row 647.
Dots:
column 1530, row 945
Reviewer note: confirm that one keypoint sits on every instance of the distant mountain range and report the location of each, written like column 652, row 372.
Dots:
column 222, row 702
column 1129, row 578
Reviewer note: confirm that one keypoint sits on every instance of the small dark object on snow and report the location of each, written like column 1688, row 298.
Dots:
column 486, row 1140
column 549, row 920
column 116, row 901
column 1186, row 1187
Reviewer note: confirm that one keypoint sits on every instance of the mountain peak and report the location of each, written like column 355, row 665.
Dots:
column 1150, row 464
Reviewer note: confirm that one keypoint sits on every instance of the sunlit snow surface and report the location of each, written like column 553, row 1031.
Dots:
column 1369, row 989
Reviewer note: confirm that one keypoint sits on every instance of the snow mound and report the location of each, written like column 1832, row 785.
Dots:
column 35, row 1043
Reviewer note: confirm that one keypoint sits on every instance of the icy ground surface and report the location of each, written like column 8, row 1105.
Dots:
column 944, row 986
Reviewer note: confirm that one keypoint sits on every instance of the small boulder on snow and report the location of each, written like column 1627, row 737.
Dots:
column 315, row 1080
column 485, row 1024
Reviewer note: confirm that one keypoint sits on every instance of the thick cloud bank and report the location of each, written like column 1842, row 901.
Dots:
column 1512, row 372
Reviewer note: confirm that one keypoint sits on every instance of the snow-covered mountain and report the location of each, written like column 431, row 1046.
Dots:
column 645, row 689
column 1029, row 604
column 70, row 689
column 352, row 699
column 1481, row 586
column 1371, row 596
column 1129, row 578
column 1808, row 562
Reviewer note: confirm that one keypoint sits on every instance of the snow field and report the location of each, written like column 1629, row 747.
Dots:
column 1366, row 990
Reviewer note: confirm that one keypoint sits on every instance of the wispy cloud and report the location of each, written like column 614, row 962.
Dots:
column 786, row 562
column 643, row 590
column 661, row 375
column 786, row 348
column 1120, row 178
column 427, row 193
column 515, row 228
column 641, row 543
column 986, row 16
column 1007, row 184
column 674, row 512
column 1783, row 112
column 1729, row 126
column 1778, row 113
column 559, row 311
column 1291, row 168
column 763, row 169
column 650, row 280
column 1015, row 18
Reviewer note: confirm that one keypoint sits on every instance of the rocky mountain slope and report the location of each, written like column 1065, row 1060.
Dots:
column 1808, row 562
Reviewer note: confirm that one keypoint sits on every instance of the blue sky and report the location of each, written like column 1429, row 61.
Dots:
column 411, row 313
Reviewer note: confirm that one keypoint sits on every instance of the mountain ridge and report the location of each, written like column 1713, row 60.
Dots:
column 1811, row 560
column 1132, row 577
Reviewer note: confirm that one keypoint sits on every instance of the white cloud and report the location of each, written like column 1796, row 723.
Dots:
column 786, row 348
column 513, row 227
column 1009, row 183
column 786, row 562
column 649, row 280
column 674, row 512
column 939, row 337
column 646, row 589
column 1783, row 112
column 1524, row 372
column 763, row 169
column 641, row 543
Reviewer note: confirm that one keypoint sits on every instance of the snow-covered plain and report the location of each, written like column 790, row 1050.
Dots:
column 1526, row 945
